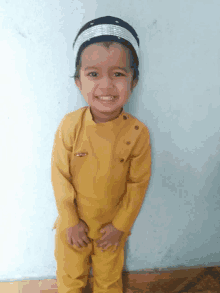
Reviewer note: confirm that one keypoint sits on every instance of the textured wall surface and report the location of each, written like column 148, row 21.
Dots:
column 178, row 98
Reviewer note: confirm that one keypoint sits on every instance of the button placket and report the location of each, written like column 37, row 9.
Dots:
column 128, row 142
column 125, row 118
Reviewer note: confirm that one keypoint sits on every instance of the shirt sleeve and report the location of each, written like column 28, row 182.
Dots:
column 60, row 174
column 137, row 183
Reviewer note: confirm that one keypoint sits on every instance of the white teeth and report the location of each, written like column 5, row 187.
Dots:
column 106, row 98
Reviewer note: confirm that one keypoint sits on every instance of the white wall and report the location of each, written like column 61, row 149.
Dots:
column 178, row 98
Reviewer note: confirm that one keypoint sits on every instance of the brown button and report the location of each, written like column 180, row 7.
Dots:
column 136, row 127
column 128, row 142
column 122, row 160
column 124, row 117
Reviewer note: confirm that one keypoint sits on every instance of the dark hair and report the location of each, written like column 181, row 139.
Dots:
column 134, row 63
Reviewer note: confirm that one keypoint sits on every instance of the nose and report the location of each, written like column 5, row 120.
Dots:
column 106, row 82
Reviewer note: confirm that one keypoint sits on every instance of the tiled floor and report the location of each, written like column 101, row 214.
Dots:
column 204, row 280
column 192, row 280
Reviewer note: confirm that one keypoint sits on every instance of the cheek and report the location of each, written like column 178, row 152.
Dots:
column 122, row 86
column 88, row 88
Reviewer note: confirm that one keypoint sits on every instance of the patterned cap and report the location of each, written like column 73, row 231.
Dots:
column 106, row 29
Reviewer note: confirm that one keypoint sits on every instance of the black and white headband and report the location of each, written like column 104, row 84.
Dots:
column 106, row 28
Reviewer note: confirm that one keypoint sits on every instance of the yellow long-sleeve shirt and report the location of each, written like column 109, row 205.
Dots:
column 100, row 172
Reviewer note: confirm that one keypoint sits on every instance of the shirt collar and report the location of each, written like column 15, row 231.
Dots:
column 115, row 122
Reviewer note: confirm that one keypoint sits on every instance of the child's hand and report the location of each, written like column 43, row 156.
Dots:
column 77, row 235
column 111, row 236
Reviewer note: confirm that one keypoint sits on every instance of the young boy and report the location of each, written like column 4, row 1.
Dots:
column 101, row 161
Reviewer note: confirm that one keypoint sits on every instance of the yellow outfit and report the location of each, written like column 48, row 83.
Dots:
column 100, row 174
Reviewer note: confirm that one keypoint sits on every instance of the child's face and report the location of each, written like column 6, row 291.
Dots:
column 107, row 79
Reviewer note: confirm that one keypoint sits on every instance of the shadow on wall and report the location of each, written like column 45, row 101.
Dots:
column 199, row 192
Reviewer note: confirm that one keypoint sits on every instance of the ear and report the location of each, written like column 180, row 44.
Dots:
column 78, row 84
column 133, row 84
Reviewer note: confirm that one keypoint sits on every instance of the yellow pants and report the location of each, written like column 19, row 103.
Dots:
column 73, row 265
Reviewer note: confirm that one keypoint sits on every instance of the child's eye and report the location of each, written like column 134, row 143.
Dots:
column 120, row 73
column 91, row 73
column 96, row 73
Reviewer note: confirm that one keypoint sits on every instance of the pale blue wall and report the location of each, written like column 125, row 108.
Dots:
column 178, row 97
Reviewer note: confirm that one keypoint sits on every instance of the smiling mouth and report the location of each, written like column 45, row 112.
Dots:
column 107, row 99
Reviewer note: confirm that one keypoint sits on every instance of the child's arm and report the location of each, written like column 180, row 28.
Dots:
column 60, row 174
column 137, row 183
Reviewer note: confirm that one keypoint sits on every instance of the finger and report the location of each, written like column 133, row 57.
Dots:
column 100, row 239
column 83, row 244
column 77, row 243
column 103, row 244
column 69, row 238
column 86, row 239
column 72, row 241
column 107, row 246
column 116, row 246
column 103, row 238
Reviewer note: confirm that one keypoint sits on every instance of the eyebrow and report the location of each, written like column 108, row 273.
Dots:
column 122, row 68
